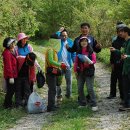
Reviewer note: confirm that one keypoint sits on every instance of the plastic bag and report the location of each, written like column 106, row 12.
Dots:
column 40, row 79
column 36, row 104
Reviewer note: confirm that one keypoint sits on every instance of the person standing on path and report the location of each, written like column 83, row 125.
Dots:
column 26, row 75
column 85, row 73
column 116, row 63
column 67, row 58
column 23, row 48
column 10, row 71
column 126, row 69
column 51, row 69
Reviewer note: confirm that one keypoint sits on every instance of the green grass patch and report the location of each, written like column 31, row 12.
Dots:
column 8, row 117
column 69, row 116
column 104, row 56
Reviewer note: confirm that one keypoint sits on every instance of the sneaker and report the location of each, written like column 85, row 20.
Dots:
column 124, row 108
column 67, row 96
column 111, row 97
column 49, row 109
column 95, row 108
column 82, row 104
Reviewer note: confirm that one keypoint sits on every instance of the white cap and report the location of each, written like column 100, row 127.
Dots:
column 10, row 41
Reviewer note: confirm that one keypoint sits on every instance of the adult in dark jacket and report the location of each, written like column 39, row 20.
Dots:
column 85, row 30
column 126, row 69
column 116, row 63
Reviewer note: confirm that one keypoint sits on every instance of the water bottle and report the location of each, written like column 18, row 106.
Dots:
column 84, row 58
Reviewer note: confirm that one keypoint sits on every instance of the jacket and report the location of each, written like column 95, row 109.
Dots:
column 70, row 56
column 23, row 51
column 51, row 59
column 79, row 65
column 32, row 74
column 10, row 64
column 126, row 64
column 115, row 56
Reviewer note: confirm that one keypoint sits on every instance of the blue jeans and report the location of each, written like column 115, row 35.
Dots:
column 81, row 79
column 68, row 78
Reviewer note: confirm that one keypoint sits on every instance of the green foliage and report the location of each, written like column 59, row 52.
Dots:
column 104, row 56
column 44, row 17
column 15, row 17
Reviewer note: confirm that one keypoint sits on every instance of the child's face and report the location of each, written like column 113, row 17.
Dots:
column 84, row 43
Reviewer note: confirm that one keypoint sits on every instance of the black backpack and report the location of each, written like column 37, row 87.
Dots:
column 40, row 79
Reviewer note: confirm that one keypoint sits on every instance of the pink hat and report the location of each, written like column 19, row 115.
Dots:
column 21, row 36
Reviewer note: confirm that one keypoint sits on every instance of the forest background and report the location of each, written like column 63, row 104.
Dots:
column 40, row 18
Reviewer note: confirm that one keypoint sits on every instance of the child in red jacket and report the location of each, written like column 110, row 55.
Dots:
column 9, row 70
column 26, row 75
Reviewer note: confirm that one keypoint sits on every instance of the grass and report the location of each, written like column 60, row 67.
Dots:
column 104, row 56
column 8, row 117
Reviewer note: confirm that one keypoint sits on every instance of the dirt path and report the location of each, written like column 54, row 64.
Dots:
column 108, row 116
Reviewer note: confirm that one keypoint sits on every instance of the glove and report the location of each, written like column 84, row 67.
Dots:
column 11, row 80
column 63, row 66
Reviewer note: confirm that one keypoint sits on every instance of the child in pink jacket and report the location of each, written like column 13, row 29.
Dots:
column 84, row 70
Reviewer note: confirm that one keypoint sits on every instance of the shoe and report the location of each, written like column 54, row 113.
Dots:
column 124, row 108
column 82, row 104
column 122, row 103
column 95, row 108
column 111, row 97
column 49, row 109
column 67, row 96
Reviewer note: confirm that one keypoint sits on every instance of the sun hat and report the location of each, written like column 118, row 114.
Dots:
column 21, row 36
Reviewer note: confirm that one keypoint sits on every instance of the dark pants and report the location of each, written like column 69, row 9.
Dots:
column 51, row 81
column 9, row 94
column 126, row 90
column 22, row 91
column 116, row 75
